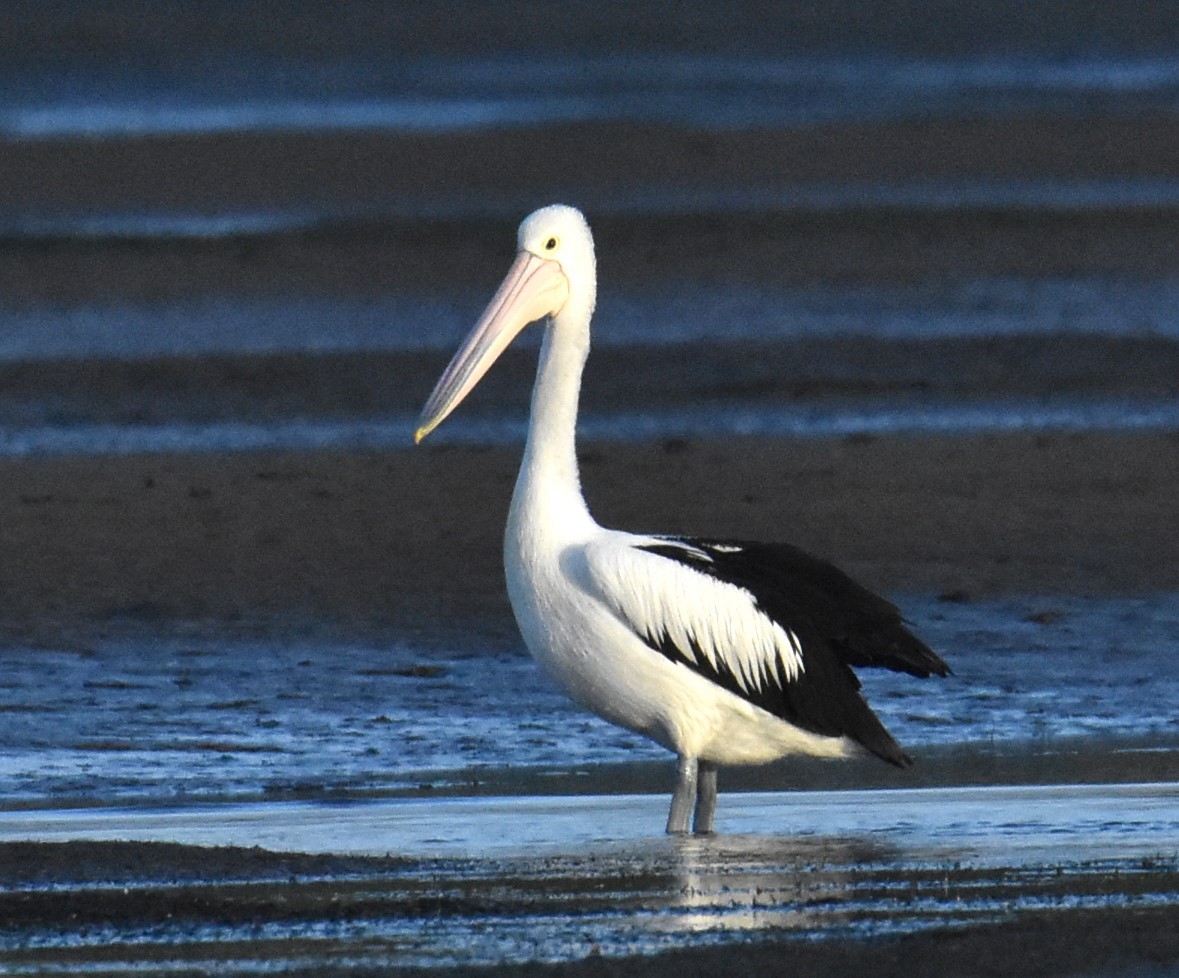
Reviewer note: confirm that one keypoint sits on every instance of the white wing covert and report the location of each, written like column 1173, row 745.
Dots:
column 708, row 624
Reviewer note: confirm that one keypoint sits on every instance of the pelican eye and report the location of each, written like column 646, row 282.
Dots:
column 550, row 245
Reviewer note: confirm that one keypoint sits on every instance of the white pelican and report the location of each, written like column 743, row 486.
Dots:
column 725, row 652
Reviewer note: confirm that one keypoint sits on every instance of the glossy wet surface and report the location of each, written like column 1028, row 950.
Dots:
column 479, row 881
column 462, row 812
column 171, row 713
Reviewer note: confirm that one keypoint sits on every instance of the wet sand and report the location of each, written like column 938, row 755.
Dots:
column 609, row 168
column 1111, row 942
column 411, row 539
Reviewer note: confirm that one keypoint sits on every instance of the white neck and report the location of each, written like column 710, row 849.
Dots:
column 548, row 495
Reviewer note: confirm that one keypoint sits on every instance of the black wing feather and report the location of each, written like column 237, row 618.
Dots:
column 838, row 623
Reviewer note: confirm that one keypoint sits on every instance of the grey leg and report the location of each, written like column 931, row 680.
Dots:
column 684, row 797
column 705, row 799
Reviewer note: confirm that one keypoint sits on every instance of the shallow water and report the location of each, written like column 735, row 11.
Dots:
column 731, row 419
column 446, row 94
column 979, row 826
column 685, row 315
column 244, row 74
column 661, row 313
column 535, row 879
column 921, row 196
column 165, row 715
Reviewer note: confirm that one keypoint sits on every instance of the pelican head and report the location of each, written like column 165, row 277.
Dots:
column 553, row 270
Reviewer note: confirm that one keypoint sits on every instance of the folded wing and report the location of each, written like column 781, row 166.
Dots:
column 768, row 623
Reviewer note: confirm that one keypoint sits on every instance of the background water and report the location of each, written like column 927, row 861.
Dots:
column 142, row 74
column 721, row 91
column 166, row 715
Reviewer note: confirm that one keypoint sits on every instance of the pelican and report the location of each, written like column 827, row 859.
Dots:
column 722, row 651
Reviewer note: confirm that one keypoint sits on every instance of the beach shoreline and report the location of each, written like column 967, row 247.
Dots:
column 210, row 634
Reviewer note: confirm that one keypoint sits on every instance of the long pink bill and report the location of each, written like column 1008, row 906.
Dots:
column 534, row 288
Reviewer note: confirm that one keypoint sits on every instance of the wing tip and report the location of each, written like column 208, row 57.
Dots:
column 890, row 753
column 874, row 738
